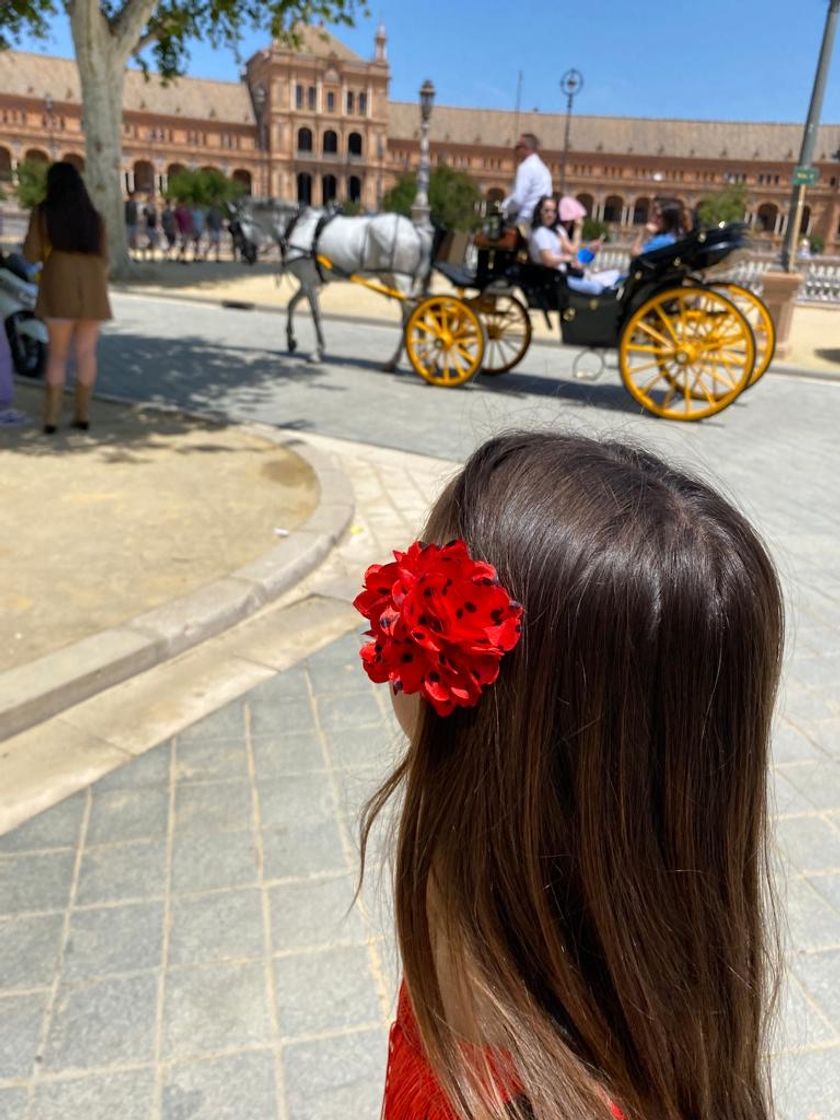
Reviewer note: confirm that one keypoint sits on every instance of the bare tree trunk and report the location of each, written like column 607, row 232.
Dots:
column 102, row 51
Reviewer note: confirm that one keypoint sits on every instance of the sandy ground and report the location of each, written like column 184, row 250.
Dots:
column 815, row 340
column 97, row 528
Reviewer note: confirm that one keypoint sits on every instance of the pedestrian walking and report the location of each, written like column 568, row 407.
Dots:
column 169, row 229
column 215, row 222
column 584, row 656
column 183, row 223
column 132, row 218
column 68, row 235
column 198, row 226
column 150, row 219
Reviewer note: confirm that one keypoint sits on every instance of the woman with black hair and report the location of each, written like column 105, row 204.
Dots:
column 68, row 235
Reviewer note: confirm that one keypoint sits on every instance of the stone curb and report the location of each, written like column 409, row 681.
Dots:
column 42, row 688
column 370, row 320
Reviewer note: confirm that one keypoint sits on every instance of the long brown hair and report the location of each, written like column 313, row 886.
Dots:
column 587, row 845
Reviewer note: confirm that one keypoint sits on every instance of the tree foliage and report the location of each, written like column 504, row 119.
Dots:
column 728, row 205
column 595, row 230
column 454, row 198
column 31, row 182
column 203, row 187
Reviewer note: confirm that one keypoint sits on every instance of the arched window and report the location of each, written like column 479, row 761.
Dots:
column 70, row 157
column 242, row 176
column 363, row 104
column 35, row 155
column 354, row 188
column 641, row 211
column 298, row 96
column 304, row 189
column 5, row 165
column 174, row 169
column 304, row 140
column 354, row 144
column 330, row 142
column 330, row 101
column 806, row 221
column 495, row 194
column 767, row 215
column 144, row 176
column 350, row 101
column 311, row 98
column 329, row 189
column 587, row 202
column 613, row 208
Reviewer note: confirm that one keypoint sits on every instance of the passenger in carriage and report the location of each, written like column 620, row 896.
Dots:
column 666, row 226
column 550, row 245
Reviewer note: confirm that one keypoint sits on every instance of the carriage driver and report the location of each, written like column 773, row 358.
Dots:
column 532, row 182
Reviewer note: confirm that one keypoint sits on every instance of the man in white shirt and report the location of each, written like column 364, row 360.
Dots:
column 532, row 182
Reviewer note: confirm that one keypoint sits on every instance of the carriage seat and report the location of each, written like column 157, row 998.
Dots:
column 458, row 275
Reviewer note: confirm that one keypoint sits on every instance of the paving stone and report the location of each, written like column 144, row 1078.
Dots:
column 286, row 715
column 336, row 1078
column 807, row 1085
column 371, row 746
column 216, row 760
column 216, row 1008
column 287, row 754
column 802, row 704
column 303, row 848
column 306, row 1005
column 343, row 651
column 55, row 828
column 122, row 872
column 810, row 843
column 150, row 769
column 290, row 683
column 818, row 782
column 213, row 860
column 338, row 678
column 295, row 798
column 239, row 1087
column 812, row 922
column 21, row 1018
column 800, row 1022
column 785, row 799
column 126, row 1095
column 314, row 913
column 13, row 1104
column 128, row 814
column 790, row 745
column 829, row 887
column 220, row 807
column 225, row 925
column 35, row 881
column 819, row 974
column 105, row 1023
column 351, row 710
column 113, row 939
column 29, row 949
column 226, row 723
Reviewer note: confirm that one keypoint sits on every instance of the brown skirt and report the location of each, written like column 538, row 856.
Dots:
column 73, row 286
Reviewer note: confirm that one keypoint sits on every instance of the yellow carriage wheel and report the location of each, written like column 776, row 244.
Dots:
column 507, row 331
column 686, row 353
column 759, row 318
column 444, row 341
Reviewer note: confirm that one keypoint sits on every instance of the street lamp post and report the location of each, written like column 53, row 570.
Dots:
column 809, row 138
column 420, row 209
column 571, row 84
column 260, row 98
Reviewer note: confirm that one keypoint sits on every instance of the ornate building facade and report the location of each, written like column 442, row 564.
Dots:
column 316, row 125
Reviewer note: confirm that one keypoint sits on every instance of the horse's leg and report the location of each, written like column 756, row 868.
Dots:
column 291, row 341
column 406, row 307
column 315, row 308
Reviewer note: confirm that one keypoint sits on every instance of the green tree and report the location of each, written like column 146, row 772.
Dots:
column 817, row 243
column 454, row 198
column 594, row 230
column 156, row 34
column 31, row 185
column 203, row 187
column 728, row 205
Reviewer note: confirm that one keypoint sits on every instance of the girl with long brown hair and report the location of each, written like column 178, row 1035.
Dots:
column 67, row 234
column 584, row 653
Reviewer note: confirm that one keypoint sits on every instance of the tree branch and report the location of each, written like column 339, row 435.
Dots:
column 129, row 24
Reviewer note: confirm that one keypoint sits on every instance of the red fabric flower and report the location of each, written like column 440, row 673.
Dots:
column 440, row 622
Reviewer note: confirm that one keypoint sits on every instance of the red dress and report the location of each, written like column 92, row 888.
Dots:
column 411, row 1090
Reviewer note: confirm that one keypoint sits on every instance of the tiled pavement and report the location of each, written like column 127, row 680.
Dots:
column 176, row 944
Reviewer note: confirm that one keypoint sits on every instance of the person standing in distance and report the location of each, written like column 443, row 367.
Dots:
column 532, row 182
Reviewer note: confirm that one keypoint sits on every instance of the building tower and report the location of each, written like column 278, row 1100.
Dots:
column 381, row 41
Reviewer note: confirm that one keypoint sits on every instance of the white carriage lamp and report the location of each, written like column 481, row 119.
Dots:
column 420, row 211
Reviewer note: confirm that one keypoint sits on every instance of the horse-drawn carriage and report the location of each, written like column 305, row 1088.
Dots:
column 687, row 345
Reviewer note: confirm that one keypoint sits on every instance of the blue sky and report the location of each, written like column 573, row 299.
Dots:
column 725, row 59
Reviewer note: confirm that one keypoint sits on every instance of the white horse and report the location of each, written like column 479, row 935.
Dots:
column 386, row 247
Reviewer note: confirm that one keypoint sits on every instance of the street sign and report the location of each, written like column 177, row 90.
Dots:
column 805, row 176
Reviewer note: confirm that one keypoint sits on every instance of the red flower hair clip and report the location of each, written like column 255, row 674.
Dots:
column 440, row 622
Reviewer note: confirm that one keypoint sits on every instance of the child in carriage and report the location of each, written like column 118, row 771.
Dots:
column 584, row 656
column 551, row 245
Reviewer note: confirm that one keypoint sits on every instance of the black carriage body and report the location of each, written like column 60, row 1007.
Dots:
column 597, row 321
